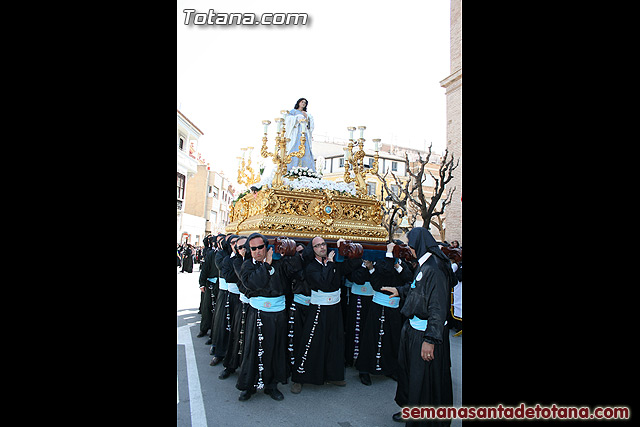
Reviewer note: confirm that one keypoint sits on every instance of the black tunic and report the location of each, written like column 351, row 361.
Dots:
column 356, row 311
column 298, row 314
column 208, row 269
column 232, row 309
column 323, row 360
column 381, row 336
column 235, row 350
column 257, row 281
column 221, row 323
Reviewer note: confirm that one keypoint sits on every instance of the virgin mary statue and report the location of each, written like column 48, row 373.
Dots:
column 293, row 131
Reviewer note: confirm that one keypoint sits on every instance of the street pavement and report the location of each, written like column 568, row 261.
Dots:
column 205, row 400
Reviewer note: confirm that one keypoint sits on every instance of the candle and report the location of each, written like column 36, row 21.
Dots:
column 377, row 144
column 351, row 129
column 266, row 124
column 279, row 121
column 362, row 128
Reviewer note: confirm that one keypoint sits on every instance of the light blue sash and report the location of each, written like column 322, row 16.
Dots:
column 418, row 324
column 212, row 279
column 270, row 304
column 365, row 289
column 301, row 299
column 243, row 298
column 325, row 298
column 386, row 300
column 233, row 288
column 223, row 284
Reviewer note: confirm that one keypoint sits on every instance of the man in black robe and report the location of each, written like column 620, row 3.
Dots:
column 208, row 282
column 266, row 281
column 320, row 358
column 187, row 261
column 424, row 376
column 221, row 324
column 233, row 309
column 235, row 351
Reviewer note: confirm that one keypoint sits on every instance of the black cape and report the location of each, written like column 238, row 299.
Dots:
column 422, row 383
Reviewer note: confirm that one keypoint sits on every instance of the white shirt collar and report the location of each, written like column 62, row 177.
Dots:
column 424, row 258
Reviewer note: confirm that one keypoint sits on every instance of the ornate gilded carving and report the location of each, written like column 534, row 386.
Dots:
column 308, row 213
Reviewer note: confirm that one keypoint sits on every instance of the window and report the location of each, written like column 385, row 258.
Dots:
column 370, row 162
column 215, row 192
column 341, row 162
column 395, row 189
column 213, row 217
column 394, row 166
column 371, row 188
column 181, row 181
column 181, row 143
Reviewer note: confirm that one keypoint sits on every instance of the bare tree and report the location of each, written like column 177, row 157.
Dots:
column 414, row 187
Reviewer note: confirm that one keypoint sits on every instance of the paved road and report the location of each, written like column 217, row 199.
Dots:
column 205, row 400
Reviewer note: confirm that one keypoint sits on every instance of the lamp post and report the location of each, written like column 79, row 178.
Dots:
column 389, row 203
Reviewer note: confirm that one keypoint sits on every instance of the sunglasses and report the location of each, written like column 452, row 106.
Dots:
column 255, row 248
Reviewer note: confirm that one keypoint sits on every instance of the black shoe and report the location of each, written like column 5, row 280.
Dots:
column 201, row 334
column 398, row 417
column 215, row 361
column 208, row 342
column 365, row 378
column 274, row 393
column 225, row 374
column 212, row 350
column 246, row 395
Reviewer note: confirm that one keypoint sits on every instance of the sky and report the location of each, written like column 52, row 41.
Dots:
column 372, row 63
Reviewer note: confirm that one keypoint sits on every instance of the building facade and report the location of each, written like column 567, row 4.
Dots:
column 220, row 194
column 453, row 92
column 188, row 135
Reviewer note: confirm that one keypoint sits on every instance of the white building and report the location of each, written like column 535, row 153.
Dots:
column 187, row 149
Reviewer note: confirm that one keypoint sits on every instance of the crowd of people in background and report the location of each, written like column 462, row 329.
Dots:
column 188, row 255
column 305, row 316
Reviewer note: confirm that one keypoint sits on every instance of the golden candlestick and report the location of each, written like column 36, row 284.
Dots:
column 279, row 156
column 246, row 174
column 355, row 161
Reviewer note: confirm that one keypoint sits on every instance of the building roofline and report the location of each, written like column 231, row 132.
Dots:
column 190, row 122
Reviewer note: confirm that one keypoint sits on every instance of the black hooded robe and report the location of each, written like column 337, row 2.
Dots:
column 208, row 270
column 232, row 310
column 258, row 281
column 219, row 329
column 320, row 357
column 235, row 351
column 426, row 383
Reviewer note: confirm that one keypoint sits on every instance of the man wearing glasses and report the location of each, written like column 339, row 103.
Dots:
column 320, row 358
column 266, row 280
